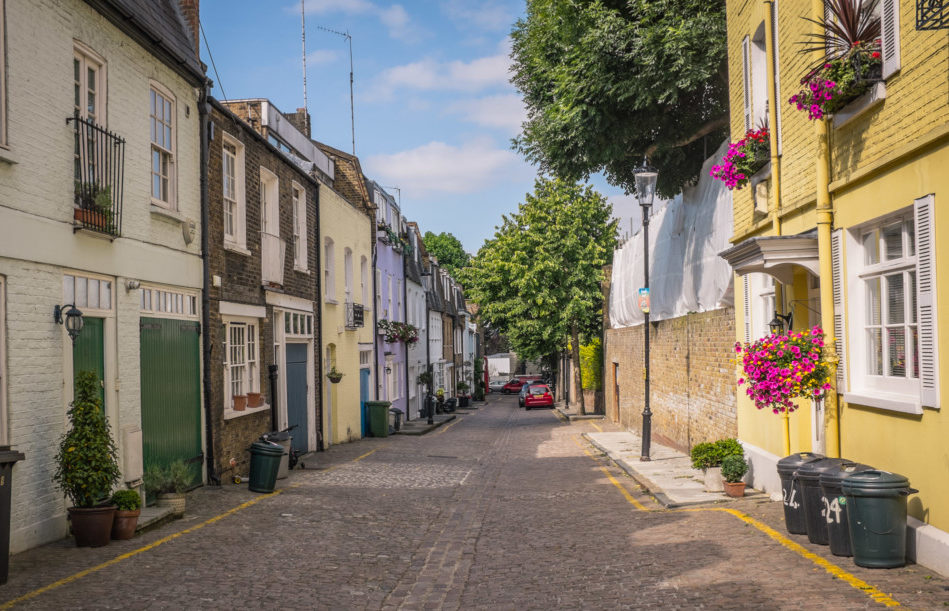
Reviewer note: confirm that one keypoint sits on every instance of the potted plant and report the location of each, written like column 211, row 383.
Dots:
column 462, row 388
column 334, row 375
column 708, row 456
column 169, row 484
column 239, row 402
column 128, row 506
column 744, row 158
column 734, row 468
column 254, row 399
column 87, row 465
column 424, row 378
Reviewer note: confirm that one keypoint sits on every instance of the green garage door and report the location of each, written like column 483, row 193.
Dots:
column 88, row 352
column 171, row 393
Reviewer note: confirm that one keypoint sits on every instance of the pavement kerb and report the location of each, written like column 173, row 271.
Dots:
column 425, row 428
column 651, row 488
column 566, row 415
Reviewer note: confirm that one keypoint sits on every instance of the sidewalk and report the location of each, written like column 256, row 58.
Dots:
column 573, row 413
column 420, row 426
column 669, row 476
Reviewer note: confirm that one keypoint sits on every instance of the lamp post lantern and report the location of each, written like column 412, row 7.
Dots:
column 780, row 321
column 70, row 316
column 645, row 177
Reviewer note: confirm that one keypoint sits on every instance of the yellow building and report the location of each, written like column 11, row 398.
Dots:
column 346, row 236
column 844, row 228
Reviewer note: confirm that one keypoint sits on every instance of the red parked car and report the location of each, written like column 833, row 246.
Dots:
column 538, row 395
column 512, row 386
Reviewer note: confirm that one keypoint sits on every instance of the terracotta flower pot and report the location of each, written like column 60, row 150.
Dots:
column 124, row 525
column 254, row 399
column 240, row 402
column 734, row 489
column 91, row 526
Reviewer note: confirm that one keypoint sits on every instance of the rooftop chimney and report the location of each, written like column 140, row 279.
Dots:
column 191, row 13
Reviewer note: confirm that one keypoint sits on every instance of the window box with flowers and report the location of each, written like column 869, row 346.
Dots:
column 744, row 158
column 851, row 63
column 395, row 331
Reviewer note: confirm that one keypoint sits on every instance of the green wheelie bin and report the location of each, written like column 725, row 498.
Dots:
column 876, row 510
column 378, row 418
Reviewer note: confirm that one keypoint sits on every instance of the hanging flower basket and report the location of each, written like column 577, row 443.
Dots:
column 780, row 368
column 743, row 159
column 831, row 86
column 334, row 375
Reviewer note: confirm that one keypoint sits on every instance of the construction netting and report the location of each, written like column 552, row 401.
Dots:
column 685, row 272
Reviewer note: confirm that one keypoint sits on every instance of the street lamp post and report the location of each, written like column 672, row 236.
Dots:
column 645, row 177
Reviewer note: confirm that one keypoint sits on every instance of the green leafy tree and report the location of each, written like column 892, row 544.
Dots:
column 87, row 464
column 448, row 250
column 537, row 280
column 608, row 81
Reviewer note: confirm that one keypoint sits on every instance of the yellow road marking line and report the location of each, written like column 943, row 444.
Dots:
column 449, row 425
column 76, row 576
column 596, row 426
column 828, row 566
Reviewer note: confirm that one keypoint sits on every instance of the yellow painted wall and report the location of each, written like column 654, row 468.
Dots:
column 880, row 162
column 348, row 227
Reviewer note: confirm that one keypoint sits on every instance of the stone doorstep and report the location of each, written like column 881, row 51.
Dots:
column 153, row 517
column 420, row 426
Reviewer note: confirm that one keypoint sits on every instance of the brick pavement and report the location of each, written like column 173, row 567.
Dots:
column 501, row 508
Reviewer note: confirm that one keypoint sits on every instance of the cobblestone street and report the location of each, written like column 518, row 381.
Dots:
column 501, row 508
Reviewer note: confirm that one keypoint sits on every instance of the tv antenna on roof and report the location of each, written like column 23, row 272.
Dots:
column 349, row 39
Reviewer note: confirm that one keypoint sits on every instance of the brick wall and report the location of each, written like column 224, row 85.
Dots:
column 241, row 278
column 692, row 378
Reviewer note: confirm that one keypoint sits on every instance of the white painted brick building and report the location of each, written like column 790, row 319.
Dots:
column 55, row 52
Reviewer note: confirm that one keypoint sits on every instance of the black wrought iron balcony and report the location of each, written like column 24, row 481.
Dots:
column 355, row 315
column 99, row 164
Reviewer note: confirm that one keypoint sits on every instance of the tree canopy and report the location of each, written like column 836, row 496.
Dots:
column 606, row 82
column 448, row 250
column 538, row 279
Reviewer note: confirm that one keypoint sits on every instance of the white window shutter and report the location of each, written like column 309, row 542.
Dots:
column 746, row 285
column 924, row 209
column 776, row 60
column 837, row 265
column 746, row 79
column 890, row 39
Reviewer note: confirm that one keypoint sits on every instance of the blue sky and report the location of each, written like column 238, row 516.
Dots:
column 434, row 110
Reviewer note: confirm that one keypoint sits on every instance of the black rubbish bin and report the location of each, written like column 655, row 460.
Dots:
column 395, row 420
column 791, row 490
column 450, row 405
column 8, row 458
column 876, row 504
column 838, row 527
column 815, row 513
column 264, row 465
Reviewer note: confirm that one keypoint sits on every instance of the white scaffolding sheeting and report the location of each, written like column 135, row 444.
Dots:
column 685, row 272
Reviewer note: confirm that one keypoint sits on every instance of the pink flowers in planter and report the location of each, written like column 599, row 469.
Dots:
column 743, row 159
column 828, row 88
column 780, row 368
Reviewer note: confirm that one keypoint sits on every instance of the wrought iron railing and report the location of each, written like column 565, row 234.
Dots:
column 932, row 14
column 355, row 315
column 99, row 165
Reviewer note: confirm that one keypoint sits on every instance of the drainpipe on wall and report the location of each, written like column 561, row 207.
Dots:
column 318, row 365
column 825, row 220
column 206, row 134
column 375, row 316
column 405, row 347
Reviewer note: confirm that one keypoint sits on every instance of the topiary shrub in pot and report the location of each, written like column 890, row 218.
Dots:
column 87, row 465
column 128, row 506
column 707, row 457
column 734, row 468
column 169, row 484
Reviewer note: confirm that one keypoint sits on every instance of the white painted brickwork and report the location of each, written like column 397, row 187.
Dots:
column 37, row 243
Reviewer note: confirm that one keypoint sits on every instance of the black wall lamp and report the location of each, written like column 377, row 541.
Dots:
column 73, row 320
column 779, row 321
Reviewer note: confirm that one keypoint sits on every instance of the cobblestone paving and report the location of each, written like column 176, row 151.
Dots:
column 501, row 509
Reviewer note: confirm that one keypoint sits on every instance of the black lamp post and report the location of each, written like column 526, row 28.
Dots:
column 73, row 320
column 646, row 177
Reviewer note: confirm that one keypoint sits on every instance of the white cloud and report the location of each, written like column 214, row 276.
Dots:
column 429, row 75
column 488, row 15
column 438, row 167
column 322, row 56
column 505, row 111
column 394, row 16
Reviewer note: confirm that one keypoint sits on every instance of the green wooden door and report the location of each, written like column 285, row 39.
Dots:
column 88, row 352
column 171, row 394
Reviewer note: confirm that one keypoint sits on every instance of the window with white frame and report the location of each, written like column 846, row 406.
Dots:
column 759, row 79
column 87, row 292
column 763, row 304
column 329, row 270
column 398, row 300
column 391, row 376
column 297, row 324
column 269, row 203
column 891, row 322
column 88, row 84
column 379, row 310
column 162, row 123
column 299, row 228
column 164, row 301
column 348, row 273
column 364, row 280
column 241, row 358
column 235, row 204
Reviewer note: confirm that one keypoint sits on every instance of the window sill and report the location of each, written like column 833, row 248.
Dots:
column 241, row 250
column 301, row 270
column 8, row 156
column 230, row 414
column 331, row 301
column 861, row 105
column 905, row 404
column 167, row 213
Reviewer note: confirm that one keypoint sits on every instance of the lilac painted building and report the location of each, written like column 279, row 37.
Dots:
column 392, row 380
